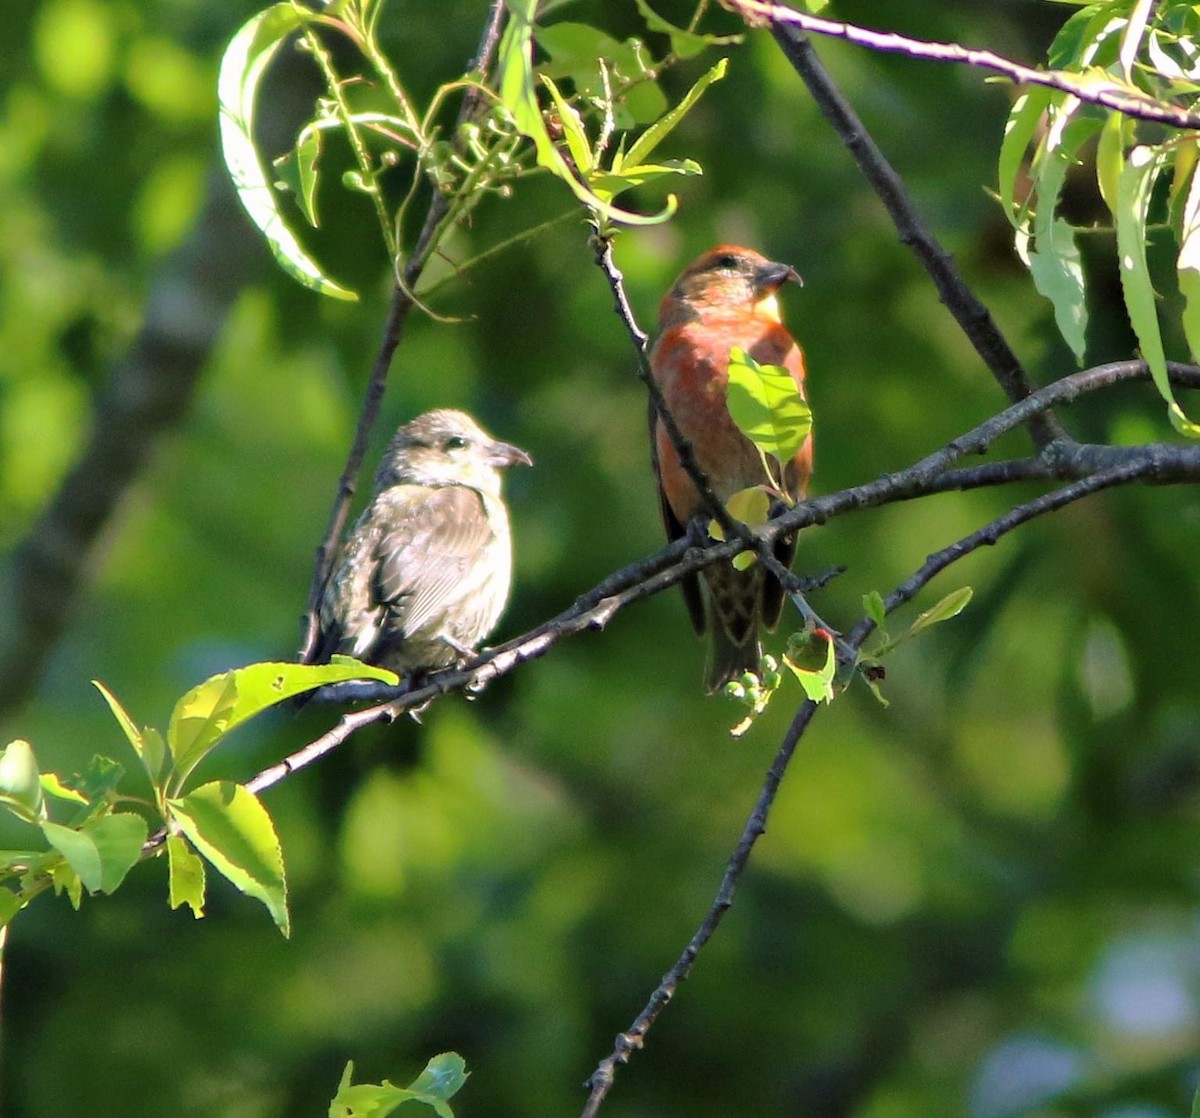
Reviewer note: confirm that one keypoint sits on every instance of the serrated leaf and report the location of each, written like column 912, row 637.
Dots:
column 20, row 786
column 1133, row 204
column 874, row 606
column 661, row 128
column 818, row 684
column 766, row 405
column 684, row 43
column 102, row 851
column 950, row 606
column 242, row 67
column 186, row 876
column 228, row 824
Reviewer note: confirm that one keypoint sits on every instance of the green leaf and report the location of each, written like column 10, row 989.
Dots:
column 1189, row 263
column 10, row 905
column 222, row 703
column 297, row 170
column 875, row 608
column 684, row 43
column 66, row 880
column 442, row 1078
column 950, row 606
column 1196, row 1105
column 517, row 94
column 229, row 825
column 1133, row 204
column 52, row 785
column 1110, row 158
column 102, row 851
column 766, row 405
column 818, row 684
column 1019, row 129
column 573, row 130
column 20, row 786
column 1057, row 271
column 612, row 184
column 660, row 129
column 1055, row 263
column 186, row 876
column 242, row 68
column 147, row 744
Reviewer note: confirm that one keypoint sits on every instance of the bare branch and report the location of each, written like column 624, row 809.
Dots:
column 601, row 1080
column 1111, row 95
column 971, row 315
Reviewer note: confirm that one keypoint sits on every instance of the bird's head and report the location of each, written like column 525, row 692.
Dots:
column 726, row 277
column 446, row 447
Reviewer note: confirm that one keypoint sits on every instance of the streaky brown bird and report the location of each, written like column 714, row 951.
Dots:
column 727, row 297
column 425, row 573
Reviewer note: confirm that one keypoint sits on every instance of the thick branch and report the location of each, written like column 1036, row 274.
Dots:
column 1112, row 95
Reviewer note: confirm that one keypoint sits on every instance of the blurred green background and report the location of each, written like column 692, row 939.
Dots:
column 981, row 900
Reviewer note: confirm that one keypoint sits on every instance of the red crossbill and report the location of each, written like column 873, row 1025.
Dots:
column 726, row 298
column 424, row 574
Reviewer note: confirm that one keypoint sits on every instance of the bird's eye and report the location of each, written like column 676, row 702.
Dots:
column 455, row 442
column 727, row 262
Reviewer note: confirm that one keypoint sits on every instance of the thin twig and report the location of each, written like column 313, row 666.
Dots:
column 1001, row 526
column 601, row 1080
column 971, row 315
column 1131, row 102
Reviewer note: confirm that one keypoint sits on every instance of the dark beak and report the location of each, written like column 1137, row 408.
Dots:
column 771, row 277
column 505, row 454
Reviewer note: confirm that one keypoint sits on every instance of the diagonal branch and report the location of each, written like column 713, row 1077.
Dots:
column 1110, row 94
column 971, row 315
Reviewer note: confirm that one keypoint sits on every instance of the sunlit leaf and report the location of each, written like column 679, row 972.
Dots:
column 20, row 786
column 186, row 876
column 572, row 126
column 242, row 68
column 1133, row 203
column 442, row 1078
column 950, row 606
column 1057, row 270
column 766, row 405
column 875, row 608
column 1018, row 134
column 1110, row 158
column 228, row 824
column 517, row 93
column 222, row 703
column 817, row 684
column 660, row 129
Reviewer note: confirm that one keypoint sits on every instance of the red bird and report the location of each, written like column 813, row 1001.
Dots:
column 726, row 298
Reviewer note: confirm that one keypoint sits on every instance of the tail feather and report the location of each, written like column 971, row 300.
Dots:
column 730, row 660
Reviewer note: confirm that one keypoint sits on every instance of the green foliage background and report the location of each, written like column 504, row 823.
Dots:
column 981, row 900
